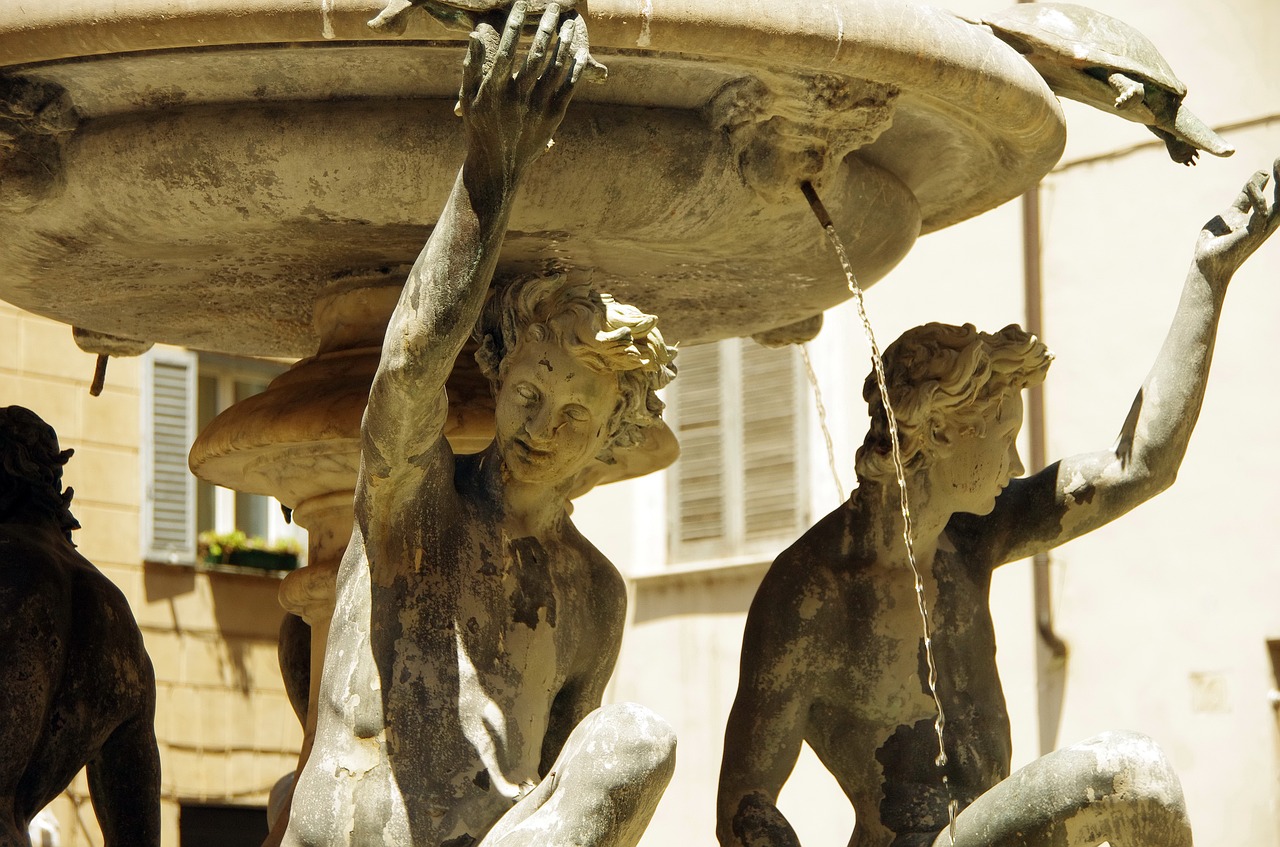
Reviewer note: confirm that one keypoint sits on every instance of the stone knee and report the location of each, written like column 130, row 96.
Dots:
column 606, row 783
column 1133, row 779
column 640, row 745
column 1130, row 765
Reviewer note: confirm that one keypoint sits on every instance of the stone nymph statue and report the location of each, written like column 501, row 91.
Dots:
column 76, row 685
column 475, row 628
column 833, row 654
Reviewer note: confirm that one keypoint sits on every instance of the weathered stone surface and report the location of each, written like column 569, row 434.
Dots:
column 473, row 628
column 221, row 181
column 833, row 652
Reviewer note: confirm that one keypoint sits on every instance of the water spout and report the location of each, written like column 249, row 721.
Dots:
column 877, row 362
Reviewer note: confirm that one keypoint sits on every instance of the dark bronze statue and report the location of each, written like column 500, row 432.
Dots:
column 76, row 685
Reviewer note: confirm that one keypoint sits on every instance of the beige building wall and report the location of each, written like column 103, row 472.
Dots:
column 224, row 725
column 1168, row 612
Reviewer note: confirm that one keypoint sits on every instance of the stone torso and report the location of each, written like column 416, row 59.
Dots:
column 75, row 664
column 439, row 724
column 871, row 715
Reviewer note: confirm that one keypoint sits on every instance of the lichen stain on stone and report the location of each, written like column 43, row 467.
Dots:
column 160, row 98
column 809, row 607
column 487, row 567
column 411, row 663
column 363, row 757
column 1078, row 490
column 800, row 653
column 534, row 590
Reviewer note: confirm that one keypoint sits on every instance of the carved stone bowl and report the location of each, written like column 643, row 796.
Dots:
column 199, row 173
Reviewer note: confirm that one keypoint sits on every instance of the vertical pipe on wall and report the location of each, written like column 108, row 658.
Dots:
column 1051, row 650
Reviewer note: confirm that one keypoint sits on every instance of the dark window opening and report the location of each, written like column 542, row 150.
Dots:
column 222, row 826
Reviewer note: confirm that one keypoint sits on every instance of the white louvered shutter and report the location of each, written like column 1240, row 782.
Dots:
column 738, row 414
column 699, row 474
column 169, row 394
column 771, row 443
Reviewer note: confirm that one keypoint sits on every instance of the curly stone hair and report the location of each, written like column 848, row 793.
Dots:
column 31, row 468
column 943, row 377
column 608, row 336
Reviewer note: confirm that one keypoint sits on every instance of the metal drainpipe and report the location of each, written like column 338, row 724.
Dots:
column 1051, row 650
column 1033, row 292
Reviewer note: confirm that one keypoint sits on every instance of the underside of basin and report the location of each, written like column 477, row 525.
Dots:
column 223, row 167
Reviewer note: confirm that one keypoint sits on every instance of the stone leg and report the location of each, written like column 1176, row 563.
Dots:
column 602, row 789
column 294, row 654
column 124, row 783
column 1115, row 787
column 32, row 634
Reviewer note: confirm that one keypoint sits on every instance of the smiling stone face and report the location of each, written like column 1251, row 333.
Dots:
column 553, row 413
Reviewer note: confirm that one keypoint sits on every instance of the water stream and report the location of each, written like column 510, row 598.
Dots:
column 877, row 364
column 822, row 421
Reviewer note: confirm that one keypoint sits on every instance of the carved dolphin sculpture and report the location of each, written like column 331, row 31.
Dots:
column 1095, row 59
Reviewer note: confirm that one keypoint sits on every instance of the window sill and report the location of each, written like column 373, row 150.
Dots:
column 205, row 567
column 733, row 567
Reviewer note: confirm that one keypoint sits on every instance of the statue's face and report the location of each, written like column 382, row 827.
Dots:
column 553, row 413
column 975, row 469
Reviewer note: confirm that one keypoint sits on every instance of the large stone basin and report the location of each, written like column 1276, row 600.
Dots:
column 202, row 172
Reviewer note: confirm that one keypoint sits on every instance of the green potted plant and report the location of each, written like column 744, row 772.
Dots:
column 248, row 551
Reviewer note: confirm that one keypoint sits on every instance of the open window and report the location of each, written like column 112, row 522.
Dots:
column 182, row 392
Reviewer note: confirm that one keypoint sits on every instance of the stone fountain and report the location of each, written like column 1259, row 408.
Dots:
column 256, row 178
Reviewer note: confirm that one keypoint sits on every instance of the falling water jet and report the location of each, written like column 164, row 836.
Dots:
column 822, row 420
column 877, row 362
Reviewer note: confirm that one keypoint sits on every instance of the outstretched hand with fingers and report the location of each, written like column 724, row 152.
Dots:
column 512, row 108
column 1231, row 237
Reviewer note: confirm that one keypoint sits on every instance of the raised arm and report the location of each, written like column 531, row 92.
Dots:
column 1084, row 492
column 509, row 112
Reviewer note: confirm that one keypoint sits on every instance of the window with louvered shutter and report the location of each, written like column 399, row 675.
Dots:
column 700, row 471
column 771, row 445
column 225, row 381
column 169, row 428
column 183, row 392
column 737, row 409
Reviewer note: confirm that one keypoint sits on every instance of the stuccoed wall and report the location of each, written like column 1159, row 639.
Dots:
column 1166, row 612
column 225, row 728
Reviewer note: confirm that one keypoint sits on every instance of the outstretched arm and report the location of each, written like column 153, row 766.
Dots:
column 1084, row 492
column 510, row 112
